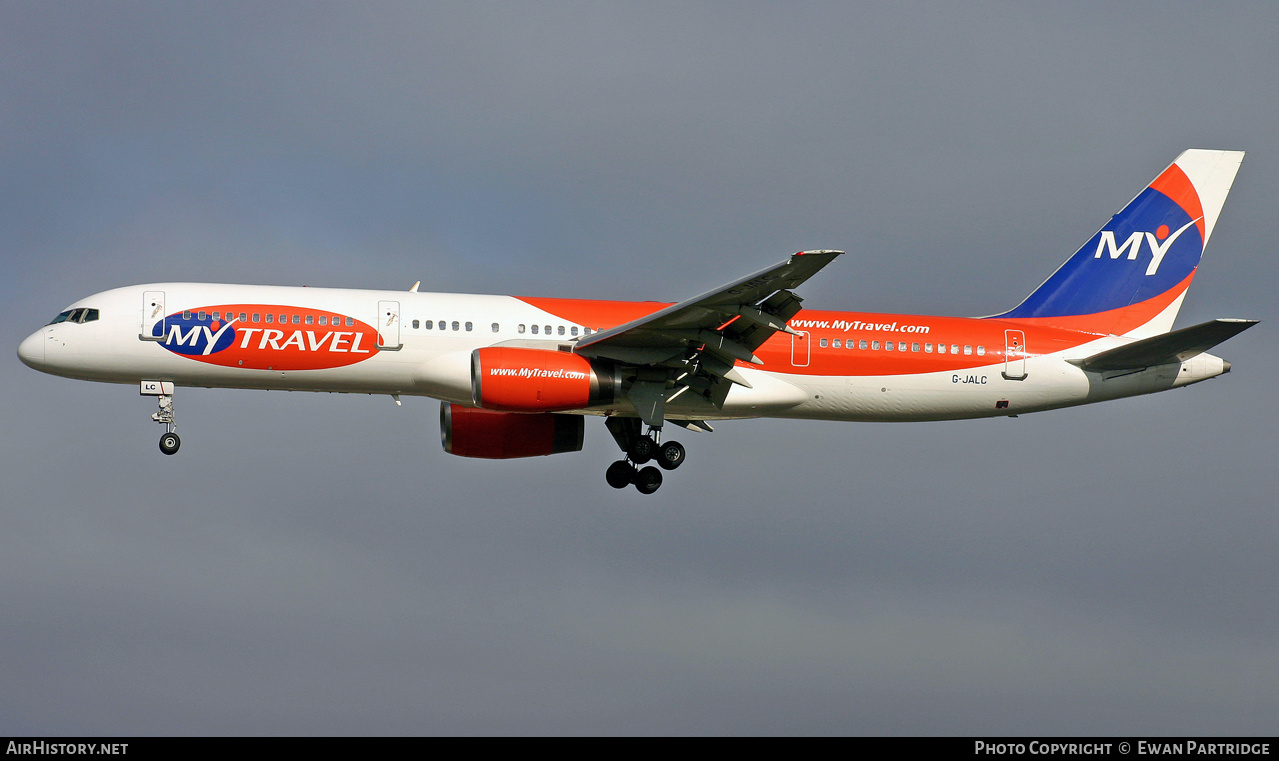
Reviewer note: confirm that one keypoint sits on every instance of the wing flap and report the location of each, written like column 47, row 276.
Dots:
column 761, row 301
column 692, row 345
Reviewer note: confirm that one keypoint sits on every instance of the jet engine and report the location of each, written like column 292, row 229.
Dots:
column 539, row 380
column 490, row 435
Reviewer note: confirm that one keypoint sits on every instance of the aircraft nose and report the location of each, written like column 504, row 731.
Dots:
column 31, row 350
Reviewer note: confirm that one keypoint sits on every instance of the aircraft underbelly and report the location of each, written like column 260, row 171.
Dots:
column 975, row 392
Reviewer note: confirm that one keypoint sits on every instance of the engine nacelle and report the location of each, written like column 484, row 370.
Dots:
column 471, row 432
column 538, row 380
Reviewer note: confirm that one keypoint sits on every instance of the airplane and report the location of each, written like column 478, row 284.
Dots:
column 516, row 376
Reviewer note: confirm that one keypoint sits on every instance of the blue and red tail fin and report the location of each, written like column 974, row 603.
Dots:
column 1130, row 278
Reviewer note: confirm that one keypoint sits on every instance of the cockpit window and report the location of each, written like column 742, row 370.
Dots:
column 81, row 314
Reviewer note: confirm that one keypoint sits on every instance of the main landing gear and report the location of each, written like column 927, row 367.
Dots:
column 641, row 449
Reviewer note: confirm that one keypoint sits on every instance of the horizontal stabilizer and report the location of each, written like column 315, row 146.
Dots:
column 1177, row 346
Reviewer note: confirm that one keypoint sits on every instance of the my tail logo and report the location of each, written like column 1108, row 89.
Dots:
column 1108, row 244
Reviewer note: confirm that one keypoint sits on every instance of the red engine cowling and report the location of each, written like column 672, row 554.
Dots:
column 470, row 432
column 538, row 380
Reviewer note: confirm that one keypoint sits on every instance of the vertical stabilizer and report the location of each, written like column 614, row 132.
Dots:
column 1130, row 278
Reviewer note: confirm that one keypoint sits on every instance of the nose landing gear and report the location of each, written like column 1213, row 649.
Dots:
column 639, row 450
column 169, row 442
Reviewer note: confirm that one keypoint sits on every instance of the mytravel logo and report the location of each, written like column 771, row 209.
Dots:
column 267, row 337
column 184, row 335
column 537, row 372
column 1160, row 241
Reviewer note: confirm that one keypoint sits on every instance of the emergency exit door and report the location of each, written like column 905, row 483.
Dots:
column 152, row 312
column 800, row 348
column 1014, row 355
column 388, row 325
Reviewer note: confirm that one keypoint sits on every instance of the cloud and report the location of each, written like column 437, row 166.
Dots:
column 314, row 564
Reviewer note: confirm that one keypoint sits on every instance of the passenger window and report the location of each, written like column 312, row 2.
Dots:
column 519, row 328
column 914, row 347
column 217, row 315
column 310, row 320
column 901, row 346
column 941, row 348
column 350, row 322
column 928, row 348
column 835, row 343
column 324, row 320
column 257, row 317
column 201, row 316
column 586, row 331
column 862, row 344
column 967, row 350
column 954, row 348
column 981, row 351
column 270, row 318
column 548, row 330
column 186, row 314
column 534, row 330
column 455, row 325
column 416, row 324
column 468, row 327
column 495, row 328
column 888, row 346
column 244, row 317
column 573, row 330
column 284, row 319
column 297, row 319
column 822, row 343
column 560, row 330
column 428, row 325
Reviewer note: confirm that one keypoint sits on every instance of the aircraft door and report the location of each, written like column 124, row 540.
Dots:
column 388, row 325
column 152, row 311
column 1014, row 355
column 800, row 348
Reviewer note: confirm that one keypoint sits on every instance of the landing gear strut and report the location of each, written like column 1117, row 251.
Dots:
column 169, row 442
column 641, row 449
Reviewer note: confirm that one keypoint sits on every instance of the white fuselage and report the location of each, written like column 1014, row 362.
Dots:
column 378, row 342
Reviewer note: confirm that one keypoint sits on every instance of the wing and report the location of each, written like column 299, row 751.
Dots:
column 691, row 346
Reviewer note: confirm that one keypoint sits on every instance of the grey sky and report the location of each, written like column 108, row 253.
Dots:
column 316, row 564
